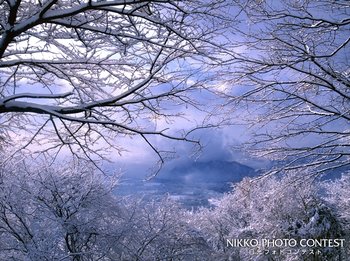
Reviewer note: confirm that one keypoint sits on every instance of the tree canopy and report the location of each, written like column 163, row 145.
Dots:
column 82, row 74
column 293, row 71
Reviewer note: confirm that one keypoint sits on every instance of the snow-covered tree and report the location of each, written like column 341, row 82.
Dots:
column 55, row 213
column 291, row 70
column 70, row 212
column 158, row 230
column 267, row 209
column 338, row 197
column 78, row 74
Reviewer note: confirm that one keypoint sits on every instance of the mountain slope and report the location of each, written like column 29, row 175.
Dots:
column 191, row 184
column 214, row 175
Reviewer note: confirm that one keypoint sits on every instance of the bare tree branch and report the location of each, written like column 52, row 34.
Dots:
column 95, row 69
column 295, row 70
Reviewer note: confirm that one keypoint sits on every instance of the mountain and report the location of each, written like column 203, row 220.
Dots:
column 214, row 175
column 192, row 184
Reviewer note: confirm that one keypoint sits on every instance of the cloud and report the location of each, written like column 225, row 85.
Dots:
column 217, row 145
